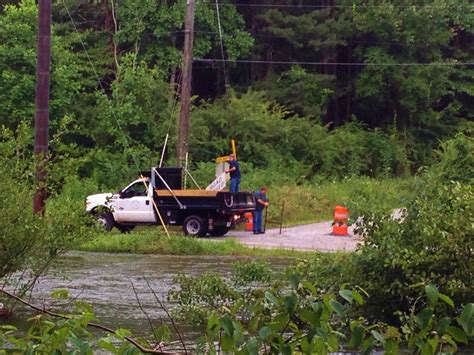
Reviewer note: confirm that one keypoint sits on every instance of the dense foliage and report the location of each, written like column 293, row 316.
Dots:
column 252, row 314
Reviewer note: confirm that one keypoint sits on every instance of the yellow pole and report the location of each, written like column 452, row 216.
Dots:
column 234, row 149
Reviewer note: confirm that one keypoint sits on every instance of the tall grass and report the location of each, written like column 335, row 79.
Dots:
column 314, row 203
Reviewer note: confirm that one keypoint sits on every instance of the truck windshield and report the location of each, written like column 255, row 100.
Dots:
column 137, row 189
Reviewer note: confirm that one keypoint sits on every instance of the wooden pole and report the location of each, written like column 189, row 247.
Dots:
column 185, row 99
column 266, row 218
column 281, row 215
column 42, row 103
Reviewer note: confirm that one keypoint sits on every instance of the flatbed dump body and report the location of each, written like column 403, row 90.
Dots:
column 211, row 212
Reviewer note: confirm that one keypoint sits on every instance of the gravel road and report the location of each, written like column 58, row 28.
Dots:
column 315, row 236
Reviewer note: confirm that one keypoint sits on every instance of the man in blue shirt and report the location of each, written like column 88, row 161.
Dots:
column 234, row 171
column 261, row 200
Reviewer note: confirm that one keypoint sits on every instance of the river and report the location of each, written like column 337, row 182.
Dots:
column 105, row 281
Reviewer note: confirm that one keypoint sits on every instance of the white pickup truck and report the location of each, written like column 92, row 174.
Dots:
column 200, row 212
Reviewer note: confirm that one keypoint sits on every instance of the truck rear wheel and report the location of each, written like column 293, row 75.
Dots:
column 194, row 226
column 105, row 220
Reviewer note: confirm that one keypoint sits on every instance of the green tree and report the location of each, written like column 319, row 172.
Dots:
column 18, row 28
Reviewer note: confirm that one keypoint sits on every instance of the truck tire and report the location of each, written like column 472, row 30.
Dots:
column 124, row 228
column 105, row 220
column 194, row 226
column 220, row 231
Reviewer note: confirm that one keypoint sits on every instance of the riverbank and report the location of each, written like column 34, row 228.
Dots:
column 154, row 241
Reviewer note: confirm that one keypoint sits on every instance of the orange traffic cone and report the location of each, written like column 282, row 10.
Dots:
column 340, row 224
column 248, row 221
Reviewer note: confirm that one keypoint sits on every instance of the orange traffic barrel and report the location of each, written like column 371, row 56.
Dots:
column 248, row 221
column 341, row 219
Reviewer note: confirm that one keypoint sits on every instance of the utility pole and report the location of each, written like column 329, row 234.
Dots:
column 185, row 99
column 42, row 103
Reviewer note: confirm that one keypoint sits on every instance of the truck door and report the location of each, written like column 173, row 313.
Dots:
column 134, row 205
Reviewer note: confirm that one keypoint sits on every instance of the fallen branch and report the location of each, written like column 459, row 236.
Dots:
column 144, row 312
column 131, row 340
column 168, row 315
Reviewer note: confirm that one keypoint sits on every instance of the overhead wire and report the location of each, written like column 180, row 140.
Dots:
column 222, row 43
column 312, row 6
column 248, row 61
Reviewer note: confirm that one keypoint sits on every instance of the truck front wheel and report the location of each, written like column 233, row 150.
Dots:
column 124, row 228
column 194, row 226
column 219, row 231
column 105, row 220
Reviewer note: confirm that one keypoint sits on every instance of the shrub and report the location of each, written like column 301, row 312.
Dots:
column 431, row 243
column 287, row 145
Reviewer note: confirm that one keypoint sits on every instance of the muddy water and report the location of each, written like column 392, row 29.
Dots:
column 105, row 281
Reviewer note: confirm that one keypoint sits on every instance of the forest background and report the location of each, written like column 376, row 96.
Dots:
column 378, row 87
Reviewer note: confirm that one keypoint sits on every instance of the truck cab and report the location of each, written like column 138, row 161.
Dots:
column 125, row 209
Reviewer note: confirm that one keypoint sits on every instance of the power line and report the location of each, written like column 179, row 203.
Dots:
column 341, row 6
column 247, row 61
column 308, row 36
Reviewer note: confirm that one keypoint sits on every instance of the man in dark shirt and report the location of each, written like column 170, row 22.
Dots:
column 234, row 171
column 261, row 200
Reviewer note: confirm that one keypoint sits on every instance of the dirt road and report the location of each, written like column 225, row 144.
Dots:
column 315, row 236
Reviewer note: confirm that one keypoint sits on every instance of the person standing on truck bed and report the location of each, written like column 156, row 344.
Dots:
column 234, row 171
column 261, row 200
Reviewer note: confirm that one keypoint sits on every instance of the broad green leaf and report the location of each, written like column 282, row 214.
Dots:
column 424, row 317
column 337, row 307
column 305, row 346
column 252, row 346
column 212, row 323
column 432, row 293
column 347, row 295
column 227, row 342
column 309, row 316
column 294, row 281
column 433, row 343
column 265, row 333
column 357, row 297
column 466, row 320
column 121, row 333
column 103, row 344
column 357, row 337
column 426, row 349
column 271, row 298
column 253, row 324
column 280, row 321
column 446, row 299
column 443, row 325
column 227, row 325
column 290, row 303
column 458, row 334
column 379, row 337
